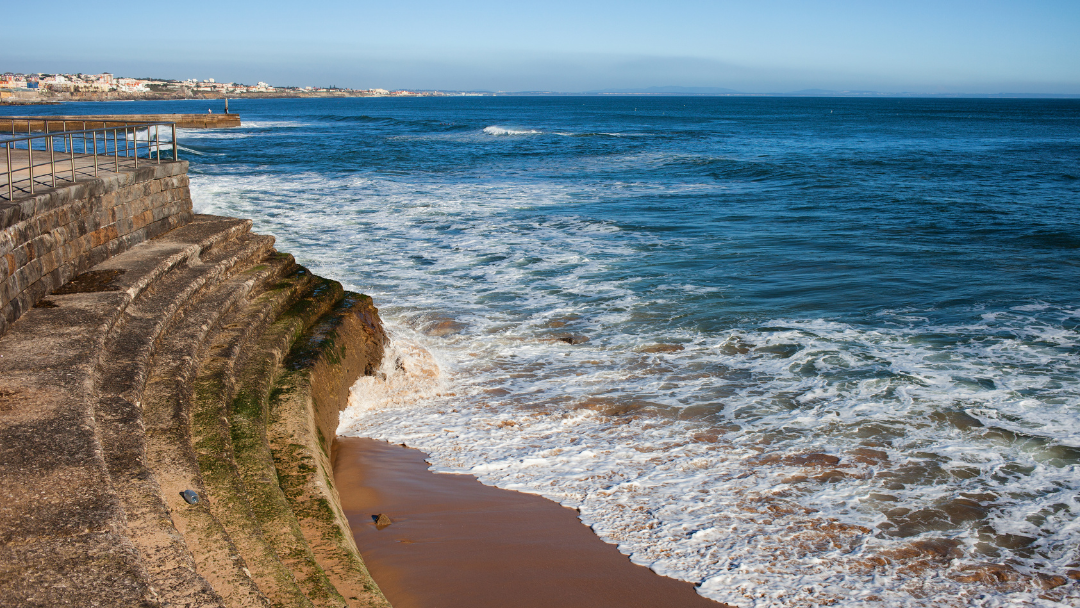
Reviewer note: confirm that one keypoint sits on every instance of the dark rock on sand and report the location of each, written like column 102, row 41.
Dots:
column 574, row 339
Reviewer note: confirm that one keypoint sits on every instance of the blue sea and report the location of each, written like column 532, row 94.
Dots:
column 798, row 351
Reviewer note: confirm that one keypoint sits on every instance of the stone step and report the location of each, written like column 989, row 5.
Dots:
column 176, row 446
column 128, row 353
column 235, row 377
column 61, row 520
column 185, row 307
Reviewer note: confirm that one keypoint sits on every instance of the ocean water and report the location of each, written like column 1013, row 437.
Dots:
column 799, row 352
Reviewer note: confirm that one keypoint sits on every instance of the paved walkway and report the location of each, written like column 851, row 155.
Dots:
column 56, row 170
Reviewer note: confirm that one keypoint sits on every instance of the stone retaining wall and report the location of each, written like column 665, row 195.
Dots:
column 48, row 238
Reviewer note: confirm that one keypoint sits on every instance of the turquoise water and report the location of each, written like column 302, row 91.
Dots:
column 759, row 343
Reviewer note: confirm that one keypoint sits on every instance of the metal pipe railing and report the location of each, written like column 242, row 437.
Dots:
column 18, row 148
column 43, row 124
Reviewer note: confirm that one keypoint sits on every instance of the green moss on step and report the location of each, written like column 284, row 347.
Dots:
column 266, row 487
column 267, row 490
column 323, row 443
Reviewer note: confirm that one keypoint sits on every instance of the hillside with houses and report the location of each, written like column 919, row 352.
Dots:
column 44, row 88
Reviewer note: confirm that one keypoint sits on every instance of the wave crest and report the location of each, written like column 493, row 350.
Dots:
column 497, row 130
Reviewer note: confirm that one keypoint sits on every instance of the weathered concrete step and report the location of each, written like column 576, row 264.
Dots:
column 206, row 297
column 167, row 403
column 134, row 271
column 250, row 418
column 227, row 496
column 86, row 309
column 60, row 515
column 93, row 568
column 68, row 330
column 313, row 383
column 251, row 337
column 129, row 350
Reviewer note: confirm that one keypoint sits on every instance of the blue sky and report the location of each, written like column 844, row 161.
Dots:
column 566, row 45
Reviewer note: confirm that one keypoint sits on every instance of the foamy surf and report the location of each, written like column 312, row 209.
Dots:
column 691, row 501
column 789, row 387
column 771, row 365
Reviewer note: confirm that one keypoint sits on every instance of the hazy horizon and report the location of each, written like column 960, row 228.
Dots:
column 769, row 47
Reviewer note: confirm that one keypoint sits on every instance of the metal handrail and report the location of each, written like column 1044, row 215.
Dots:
column 28, row 121
column 130, row 149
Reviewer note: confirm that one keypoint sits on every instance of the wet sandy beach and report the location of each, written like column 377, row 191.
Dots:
column 455, row 542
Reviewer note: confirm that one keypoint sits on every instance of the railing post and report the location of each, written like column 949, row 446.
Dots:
column 7, row 147
column 71, row 153
column 52, row 159
column 95, row 153
column 157, row 142
column 135, row 144
column 174, row 157
column 30, row 160
column 116, row 152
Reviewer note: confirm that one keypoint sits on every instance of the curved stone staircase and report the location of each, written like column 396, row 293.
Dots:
column 201, row 360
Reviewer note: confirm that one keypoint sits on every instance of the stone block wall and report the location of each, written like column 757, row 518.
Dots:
column 48, row 238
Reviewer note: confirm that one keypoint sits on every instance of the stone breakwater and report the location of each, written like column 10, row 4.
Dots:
column 168, row 404
column 36, row 124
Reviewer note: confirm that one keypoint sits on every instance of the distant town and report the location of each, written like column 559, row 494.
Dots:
column 50, row 88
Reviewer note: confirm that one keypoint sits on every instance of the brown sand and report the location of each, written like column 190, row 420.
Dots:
column 455, row 542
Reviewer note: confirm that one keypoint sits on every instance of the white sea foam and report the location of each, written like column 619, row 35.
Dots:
column 274, row 124
column 247, row 129
column 662, row 448
column 193, row 135
column 704, row 508
column 497, row 130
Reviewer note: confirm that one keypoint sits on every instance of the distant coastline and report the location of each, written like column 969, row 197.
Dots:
column 56, row 99
column 49, row 89
column 34, row 97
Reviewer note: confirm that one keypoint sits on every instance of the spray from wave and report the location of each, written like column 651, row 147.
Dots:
column 409, row 374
